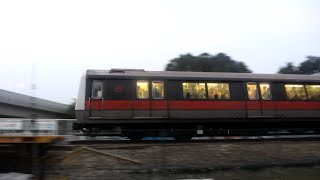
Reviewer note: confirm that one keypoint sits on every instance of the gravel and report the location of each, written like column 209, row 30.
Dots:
column 166, row 161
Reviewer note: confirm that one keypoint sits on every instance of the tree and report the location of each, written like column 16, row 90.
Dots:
column 289, row 69
column 206, row 63
column 310, row 66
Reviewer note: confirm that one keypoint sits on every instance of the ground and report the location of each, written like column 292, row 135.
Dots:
column 231, row 160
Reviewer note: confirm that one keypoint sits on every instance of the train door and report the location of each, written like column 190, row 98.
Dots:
column 118, row 99
column 141, row 106
column 253, row 104
column 158, row 104
column 267, row 105
column 96, row 99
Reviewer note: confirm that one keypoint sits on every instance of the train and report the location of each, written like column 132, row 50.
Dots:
column 186, row 104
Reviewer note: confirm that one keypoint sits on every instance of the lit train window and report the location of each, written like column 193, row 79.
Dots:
column 252, row 91
column 218, row 91
column 265, row 91
column 313, row 92
column 157, row 90
column 295, row 91
column 194, row 90
column 96, row 89
column 142, row 89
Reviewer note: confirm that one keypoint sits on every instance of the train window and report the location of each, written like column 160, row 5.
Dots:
column 97, row 89
column 157, row 90
column 265, row 91
column 313, row 92
column 295, row 91
column 218, row 90
column 142, row 89
column 252, row 91
column 194, row 90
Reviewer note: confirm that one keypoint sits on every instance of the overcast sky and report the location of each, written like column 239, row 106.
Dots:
column 51, row 43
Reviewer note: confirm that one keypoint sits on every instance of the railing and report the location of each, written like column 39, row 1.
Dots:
column 21, row 126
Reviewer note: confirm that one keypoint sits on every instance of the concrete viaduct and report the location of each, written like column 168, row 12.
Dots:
column 22, row 106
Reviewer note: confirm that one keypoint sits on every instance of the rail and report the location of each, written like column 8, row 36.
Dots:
column 168, row 140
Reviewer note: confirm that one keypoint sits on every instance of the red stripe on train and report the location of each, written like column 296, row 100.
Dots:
column 200, row 105
column 208, row 105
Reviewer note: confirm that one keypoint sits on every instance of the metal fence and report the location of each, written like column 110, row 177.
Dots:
column 20, row 126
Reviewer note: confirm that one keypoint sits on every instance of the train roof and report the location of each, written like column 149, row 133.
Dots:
column 187, row 75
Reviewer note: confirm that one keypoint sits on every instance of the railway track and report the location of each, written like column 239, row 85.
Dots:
column 163, row 157
column 196, row 140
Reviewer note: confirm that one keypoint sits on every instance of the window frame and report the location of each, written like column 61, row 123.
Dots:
column 257, row 91
column 196, row 82
column 292, row 84
column 270, row 87
column 219, row 99
column 157, row 81
column 92, row 85
column 206, row 90
column 136, row 90
column 305, row 85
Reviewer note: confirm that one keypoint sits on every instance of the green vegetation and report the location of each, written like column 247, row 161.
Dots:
column 309, row 66
column 223, row 63
column 206, row 63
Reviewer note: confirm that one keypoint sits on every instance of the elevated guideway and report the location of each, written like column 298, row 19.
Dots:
column 22, row 106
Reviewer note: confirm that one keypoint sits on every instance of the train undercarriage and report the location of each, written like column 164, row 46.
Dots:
column 186, row 131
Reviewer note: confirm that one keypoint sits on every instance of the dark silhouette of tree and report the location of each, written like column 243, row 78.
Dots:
column 310, row 66
column 206, row 63
column 289, row 69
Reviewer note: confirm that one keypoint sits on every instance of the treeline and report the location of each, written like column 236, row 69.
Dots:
column 224, row 63
column 309, row 66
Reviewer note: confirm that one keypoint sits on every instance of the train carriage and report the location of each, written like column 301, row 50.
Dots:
column 184, row 103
